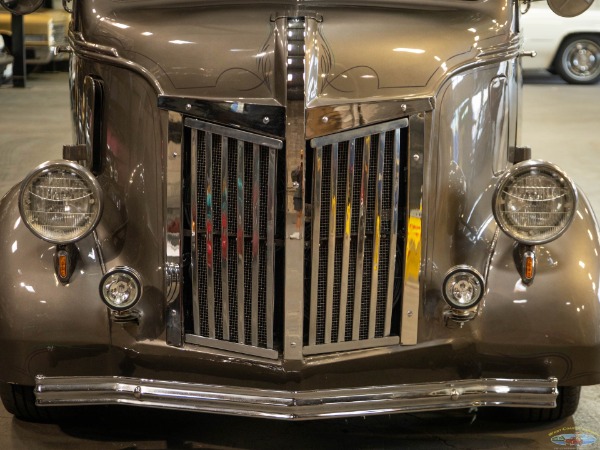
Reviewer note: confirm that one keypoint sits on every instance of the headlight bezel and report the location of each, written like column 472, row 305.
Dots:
column 83, row 174
column 526, row 168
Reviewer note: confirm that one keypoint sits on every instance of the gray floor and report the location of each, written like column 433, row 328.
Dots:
column 560, row 125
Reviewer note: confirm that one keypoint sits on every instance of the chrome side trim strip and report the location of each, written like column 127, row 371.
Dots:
column 296, row 405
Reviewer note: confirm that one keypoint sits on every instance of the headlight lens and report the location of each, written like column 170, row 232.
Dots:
column 534, row 202
column 60, row 202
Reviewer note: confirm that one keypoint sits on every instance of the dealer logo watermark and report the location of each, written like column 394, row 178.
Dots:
column 574, row 437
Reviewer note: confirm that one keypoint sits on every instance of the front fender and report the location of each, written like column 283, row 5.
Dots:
column 45, row 326
column 561, row 309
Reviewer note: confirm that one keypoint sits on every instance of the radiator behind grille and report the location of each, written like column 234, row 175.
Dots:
column 356, row 189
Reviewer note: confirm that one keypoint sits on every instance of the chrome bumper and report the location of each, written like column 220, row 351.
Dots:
column 293, row 405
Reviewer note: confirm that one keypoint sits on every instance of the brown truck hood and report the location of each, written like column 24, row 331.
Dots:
column 385, row 50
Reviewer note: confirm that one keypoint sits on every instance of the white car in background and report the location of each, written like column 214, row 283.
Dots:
column 6, row 63
column 569, row 47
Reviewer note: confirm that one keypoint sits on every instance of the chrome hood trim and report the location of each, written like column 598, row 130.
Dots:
column 295, row 405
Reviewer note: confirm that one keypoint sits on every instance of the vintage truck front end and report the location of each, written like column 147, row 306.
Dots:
column 297, row 210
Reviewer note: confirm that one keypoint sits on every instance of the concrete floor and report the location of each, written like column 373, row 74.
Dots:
column 560, row 125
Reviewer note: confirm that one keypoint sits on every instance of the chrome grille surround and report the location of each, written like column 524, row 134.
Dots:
column 233, row 195
column 287, row 333
column 353, row 237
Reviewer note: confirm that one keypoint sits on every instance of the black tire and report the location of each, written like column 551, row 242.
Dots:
column 578, row 59
column 20, row 402
column 566, row 405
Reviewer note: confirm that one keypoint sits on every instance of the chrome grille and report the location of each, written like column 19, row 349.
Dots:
column 356, row 194
column 233, row 206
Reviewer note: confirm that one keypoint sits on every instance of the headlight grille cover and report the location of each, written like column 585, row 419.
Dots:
column 60, row 201
column 534, row 202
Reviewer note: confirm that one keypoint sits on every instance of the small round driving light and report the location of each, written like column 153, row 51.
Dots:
column 121, row 288
column 60, row 202
column 534, row 202
column 463, row 287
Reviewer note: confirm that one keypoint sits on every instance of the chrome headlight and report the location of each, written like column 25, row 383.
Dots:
column 534, row 202
column 60, row 201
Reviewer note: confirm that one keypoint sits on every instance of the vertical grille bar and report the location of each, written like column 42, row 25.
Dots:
column 316, row 226
column 210, row 279
column 346, row 241
column 331, row 247
column 240, row 241
column 255, row 239
column 377, row 235
column 362, row 228
column 225, row 235
column 195, row 234
column 271, row 190
column 393, row 229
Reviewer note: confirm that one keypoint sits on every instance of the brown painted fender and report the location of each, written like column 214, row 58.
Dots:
column 47, row 327
column 559, row 310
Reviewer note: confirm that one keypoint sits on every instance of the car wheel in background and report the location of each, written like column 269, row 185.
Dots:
column 578, row 59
